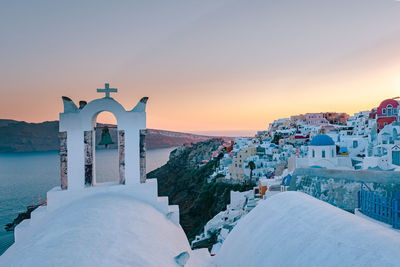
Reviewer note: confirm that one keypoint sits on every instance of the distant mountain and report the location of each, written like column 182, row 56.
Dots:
column 6, row 122
column 20, row 136
column 161, row 138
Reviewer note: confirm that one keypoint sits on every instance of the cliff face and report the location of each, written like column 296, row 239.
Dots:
column 19, row 136
column 160, row 138
column 185, row 183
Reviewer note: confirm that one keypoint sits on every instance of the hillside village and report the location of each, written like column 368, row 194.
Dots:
column 366, row 140
column 365, row 144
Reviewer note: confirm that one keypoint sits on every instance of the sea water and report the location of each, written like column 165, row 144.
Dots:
column 26, row 177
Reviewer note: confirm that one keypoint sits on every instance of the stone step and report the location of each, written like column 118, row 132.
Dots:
column 21, row 230
column 173, row 213
column 162, row 202
column 38, row 214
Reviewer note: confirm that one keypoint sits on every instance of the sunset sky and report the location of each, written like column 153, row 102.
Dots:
column 205, row 65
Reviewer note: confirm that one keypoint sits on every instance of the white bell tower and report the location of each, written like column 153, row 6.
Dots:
column 77, row 139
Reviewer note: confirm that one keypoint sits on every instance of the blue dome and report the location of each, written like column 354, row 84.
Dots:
column 322, row 140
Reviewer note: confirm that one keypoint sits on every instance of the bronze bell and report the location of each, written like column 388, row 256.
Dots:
column 105, row 137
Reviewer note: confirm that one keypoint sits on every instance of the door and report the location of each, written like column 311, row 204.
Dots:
column 396, row 158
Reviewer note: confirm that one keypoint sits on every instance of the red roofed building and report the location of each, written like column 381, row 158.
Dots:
column 387, row 113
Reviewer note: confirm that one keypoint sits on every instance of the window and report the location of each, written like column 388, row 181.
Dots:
column 333, row 153
column 389, row 110
column 313, row 153
column 395, row 111
column 323, row 153
column 384, row 111
column 355, row 144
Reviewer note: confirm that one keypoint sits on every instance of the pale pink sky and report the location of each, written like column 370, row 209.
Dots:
column 206, row 65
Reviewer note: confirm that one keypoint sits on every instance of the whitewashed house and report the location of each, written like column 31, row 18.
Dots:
column 322, row 154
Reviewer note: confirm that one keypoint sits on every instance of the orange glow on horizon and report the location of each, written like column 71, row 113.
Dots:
column 218, row 66
column 202, row 110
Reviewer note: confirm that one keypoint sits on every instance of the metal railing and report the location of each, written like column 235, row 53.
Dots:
column 383, row 209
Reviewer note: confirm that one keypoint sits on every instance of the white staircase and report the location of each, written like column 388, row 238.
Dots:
column 56, row 199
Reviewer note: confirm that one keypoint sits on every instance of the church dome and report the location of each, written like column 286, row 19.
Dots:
column 322, row 140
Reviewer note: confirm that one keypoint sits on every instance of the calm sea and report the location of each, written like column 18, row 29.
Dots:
column 26, row 177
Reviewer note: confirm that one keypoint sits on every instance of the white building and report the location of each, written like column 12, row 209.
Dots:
column 322, row 154
column 294, row 229
column 355, row 144
column 121, row 224
column 263, row 165
column 386, row 152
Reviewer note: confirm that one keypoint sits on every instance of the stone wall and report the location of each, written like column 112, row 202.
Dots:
column 143, row 156
column 121, row 151
column 63, row 160
column 88, row 140
column 89, row 157
column 341, row 187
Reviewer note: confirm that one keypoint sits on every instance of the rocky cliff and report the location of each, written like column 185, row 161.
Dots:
column 160, row 138
column 19, row 136
column 184, row 180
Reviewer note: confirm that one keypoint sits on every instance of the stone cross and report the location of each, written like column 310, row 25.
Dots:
column 107, row 90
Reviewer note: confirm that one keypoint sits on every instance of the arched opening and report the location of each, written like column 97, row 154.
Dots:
column 105, row 149
column 389, row 110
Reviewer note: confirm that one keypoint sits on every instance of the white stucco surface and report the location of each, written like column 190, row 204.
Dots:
column 105, row 229
column 294, row 229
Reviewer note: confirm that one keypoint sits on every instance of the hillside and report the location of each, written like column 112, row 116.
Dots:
column 20, row 136
column 160, row 138
column 185, row 183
